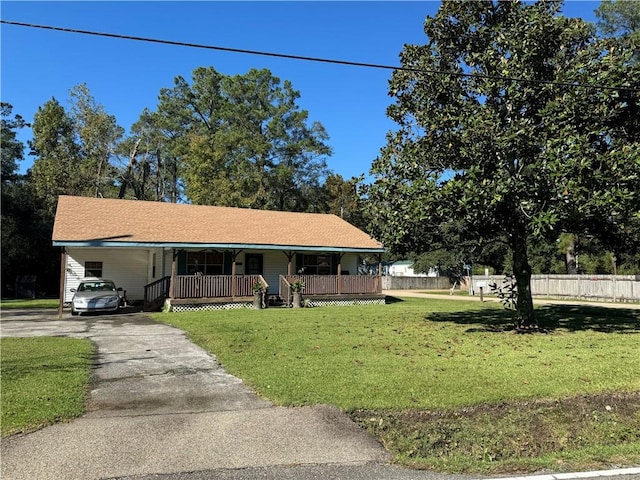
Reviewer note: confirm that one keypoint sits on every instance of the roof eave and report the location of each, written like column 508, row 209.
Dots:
column 215, row 246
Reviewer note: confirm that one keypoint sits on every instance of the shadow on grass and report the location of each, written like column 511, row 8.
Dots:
column 389, row 299
column 550, row 317
column 44, row 364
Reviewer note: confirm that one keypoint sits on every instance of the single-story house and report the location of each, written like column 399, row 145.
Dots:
column 196, row 256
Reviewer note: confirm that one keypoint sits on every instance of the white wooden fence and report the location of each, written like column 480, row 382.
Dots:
column 613, row 288
column 415, row 283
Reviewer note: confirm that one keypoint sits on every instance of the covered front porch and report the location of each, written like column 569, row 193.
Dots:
column 198, row 291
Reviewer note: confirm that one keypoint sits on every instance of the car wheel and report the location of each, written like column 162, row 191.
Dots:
column 73, row 312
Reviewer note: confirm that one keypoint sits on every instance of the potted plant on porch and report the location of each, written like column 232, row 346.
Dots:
column 296, row 288
column 258, row 295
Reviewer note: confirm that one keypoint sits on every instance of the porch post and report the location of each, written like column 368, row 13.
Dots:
column 290, row 256
column 234, row 255
column 174, row 270
column 63, row 277
column 379, row 273
column 233, row 274
column 340, row 255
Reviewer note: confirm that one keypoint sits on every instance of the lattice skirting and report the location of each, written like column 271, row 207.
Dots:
column 193, row 307
column 333, row 302
column 308, row 302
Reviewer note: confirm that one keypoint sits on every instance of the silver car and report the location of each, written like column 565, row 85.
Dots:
column 95, row 295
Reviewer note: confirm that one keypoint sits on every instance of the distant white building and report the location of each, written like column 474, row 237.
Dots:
column 404, row 268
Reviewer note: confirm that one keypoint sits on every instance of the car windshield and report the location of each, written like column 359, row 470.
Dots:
column 97, row 287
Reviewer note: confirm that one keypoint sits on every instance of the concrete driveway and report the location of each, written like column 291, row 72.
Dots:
column 159, row 404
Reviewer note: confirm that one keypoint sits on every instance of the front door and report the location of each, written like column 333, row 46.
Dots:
column 253, row 264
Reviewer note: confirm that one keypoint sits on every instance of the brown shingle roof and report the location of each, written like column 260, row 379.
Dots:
column 99, row 221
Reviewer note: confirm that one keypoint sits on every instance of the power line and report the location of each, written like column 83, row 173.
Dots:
column 318, row 59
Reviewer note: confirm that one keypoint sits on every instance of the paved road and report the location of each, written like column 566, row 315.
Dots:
column 162, row 408
column 370, row 472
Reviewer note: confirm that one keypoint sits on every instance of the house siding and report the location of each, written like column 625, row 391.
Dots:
column 275, row 264
column 167, row 262
column 158, row 261
column 132, row 269
column 128, row 268
column 349, row 263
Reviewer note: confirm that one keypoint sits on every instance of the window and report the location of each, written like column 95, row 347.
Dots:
column 153, row 266
column 318, row 265
column 93, row 269
column 205, row 263
column 97, row 287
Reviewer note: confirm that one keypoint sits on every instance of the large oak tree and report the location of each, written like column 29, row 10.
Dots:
column 479, row 158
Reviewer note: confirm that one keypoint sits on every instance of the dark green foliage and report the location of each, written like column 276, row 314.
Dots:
column 74, row 150
column 342, row 198
column 507, row 293
column 26, row 235
column 98, row 135
column 11, row 148
column 480, row 159
column 56, row 169
column 618, row 17
column 26, row 241
column 239, row 141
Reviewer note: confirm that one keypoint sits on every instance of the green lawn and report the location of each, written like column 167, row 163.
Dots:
column 29, row 303
column 44, row 380
column 418, row 353
column 419, row 356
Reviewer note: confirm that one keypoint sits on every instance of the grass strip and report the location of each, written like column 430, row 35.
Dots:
column 44, row 380
column 29, row 303
column 576, row 433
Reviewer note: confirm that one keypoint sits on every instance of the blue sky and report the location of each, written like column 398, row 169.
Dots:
column 126, row 76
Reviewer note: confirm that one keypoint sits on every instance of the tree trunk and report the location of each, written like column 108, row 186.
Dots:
column 97, row 191
column 174, row 181
column 126, row 180
column 570, row 257
column 522, row 271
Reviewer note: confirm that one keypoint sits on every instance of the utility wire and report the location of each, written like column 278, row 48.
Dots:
column 321, row 60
